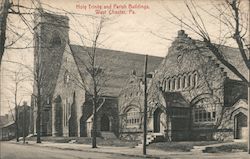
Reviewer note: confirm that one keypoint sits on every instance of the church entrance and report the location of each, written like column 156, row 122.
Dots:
column 159, row 119
column 240, row 126
column 58, row 124
column 73, row 121
column 105, row 123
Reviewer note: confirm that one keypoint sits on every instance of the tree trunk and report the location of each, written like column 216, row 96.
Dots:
column 248, row 123
column 94, row 124
column 3, row 21
column 16, row 123
column 38, row 119
column 24, row 124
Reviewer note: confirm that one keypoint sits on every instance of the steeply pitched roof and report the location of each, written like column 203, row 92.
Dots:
column 190, row 53
column 118, row 65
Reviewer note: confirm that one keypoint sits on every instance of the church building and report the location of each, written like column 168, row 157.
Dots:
column 191, row 95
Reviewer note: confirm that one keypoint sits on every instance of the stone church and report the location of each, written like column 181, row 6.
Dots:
column 192, row 96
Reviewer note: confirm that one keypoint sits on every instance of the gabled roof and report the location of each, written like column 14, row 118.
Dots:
column 117, row 65
column 184, row 52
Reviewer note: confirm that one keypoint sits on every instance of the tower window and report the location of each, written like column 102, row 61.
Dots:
column 66, row 77
column 55, row 40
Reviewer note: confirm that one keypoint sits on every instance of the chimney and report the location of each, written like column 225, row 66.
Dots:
column 181, row 34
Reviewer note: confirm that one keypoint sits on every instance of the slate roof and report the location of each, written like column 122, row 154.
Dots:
column 185, row 46
column 118, row 65
column 233, row 56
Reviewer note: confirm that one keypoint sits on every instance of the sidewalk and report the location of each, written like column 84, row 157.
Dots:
column 126, row 151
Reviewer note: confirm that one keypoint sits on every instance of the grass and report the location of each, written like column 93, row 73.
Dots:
column 165, row 146
column 233, row 147
column 88, row 141
column 180, row 146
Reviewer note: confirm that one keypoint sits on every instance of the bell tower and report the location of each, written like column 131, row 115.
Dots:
column 51, row 35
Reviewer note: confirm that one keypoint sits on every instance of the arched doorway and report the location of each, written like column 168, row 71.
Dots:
column 58, row 124
column 240, row 126
column 73, row 127
column 105, row 123
column 159, row 119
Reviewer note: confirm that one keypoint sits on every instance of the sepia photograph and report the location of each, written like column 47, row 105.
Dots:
column 124, row 79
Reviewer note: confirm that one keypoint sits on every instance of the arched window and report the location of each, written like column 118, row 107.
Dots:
column 195, row 79
column 169, row 84
column 55, row 39
column 189, row 81
column 179, row 83
column 184, row 82
column 173, row 84
column 165, row 85
column 66, row 77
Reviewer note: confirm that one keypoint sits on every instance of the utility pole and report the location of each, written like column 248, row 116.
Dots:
column 145, row 107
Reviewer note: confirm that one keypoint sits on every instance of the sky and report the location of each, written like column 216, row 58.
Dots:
column 140, row 26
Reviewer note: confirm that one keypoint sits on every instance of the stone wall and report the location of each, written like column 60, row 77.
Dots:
column 51, row 37
column 70, row 90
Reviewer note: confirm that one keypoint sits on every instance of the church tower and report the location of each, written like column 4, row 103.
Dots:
column 51, row 35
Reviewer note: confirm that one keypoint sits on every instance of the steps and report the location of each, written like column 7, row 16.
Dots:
column 152, row 137
column 240, row 140
column 107, row 135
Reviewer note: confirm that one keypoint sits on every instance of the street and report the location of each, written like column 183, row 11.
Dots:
column 78, row 151
column 19, row 151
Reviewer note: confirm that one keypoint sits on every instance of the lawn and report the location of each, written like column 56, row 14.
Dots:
column 232, row 147
column 88, row 141
column 180, row 146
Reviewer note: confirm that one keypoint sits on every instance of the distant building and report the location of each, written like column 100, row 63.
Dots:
column 8, row 130
column 192, row 96
column 4, row 119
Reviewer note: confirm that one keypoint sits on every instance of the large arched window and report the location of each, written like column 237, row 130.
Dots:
column 204, row 110
column 133, row 117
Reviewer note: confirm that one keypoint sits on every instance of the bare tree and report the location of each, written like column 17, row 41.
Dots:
column 232, row 16
column 93, row 79
column 4, row 6
column 18, row 77
column 38, row 72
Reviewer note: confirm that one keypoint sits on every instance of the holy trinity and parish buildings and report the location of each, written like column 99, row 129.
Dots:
column 192, row 96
